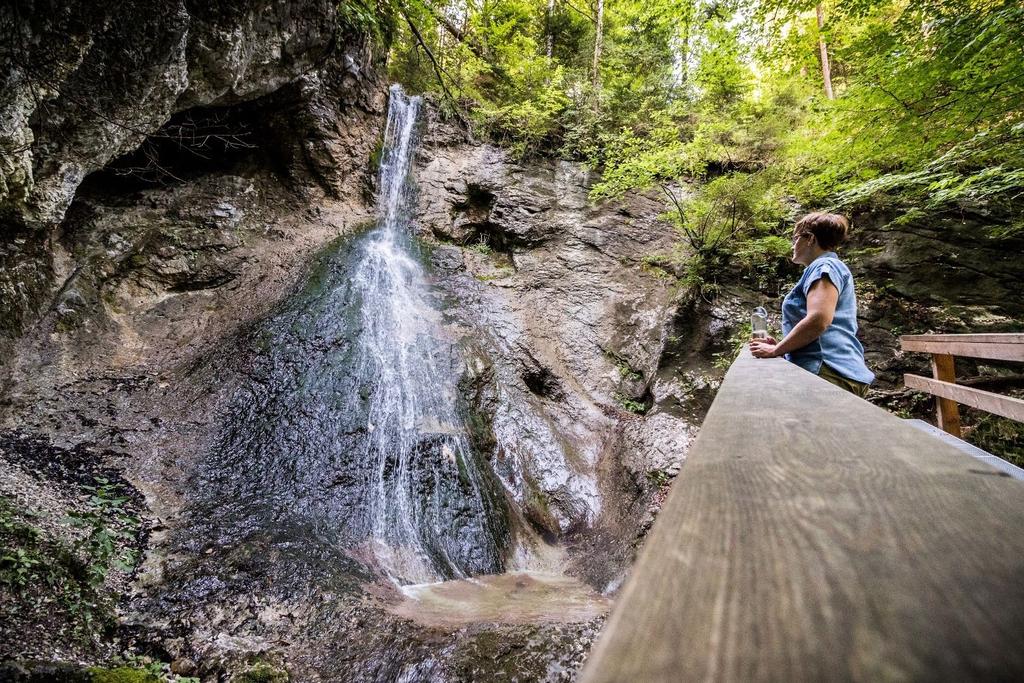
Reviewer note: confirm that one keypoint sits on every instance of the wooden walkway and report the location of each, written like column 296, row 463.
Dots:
column 812, row 536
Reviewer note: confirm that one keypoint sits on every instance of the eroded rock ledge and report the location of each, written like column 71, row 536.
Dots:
column 85, row 83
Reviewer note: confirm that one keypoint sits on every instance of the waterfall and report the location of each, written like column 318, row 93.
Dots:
column 345, row 438
column 414, row 429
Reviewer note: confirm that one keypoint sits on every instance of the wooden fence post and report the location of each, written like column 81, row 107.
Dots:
column 947, row 412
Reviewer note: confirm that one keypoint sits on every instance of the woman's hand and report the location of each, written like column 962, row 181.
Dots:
column 763, row 348
column 769, row 340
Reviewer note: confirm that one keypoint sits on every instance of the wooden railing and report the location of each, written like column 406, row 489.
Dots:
column 811, row 536
column 948, row 394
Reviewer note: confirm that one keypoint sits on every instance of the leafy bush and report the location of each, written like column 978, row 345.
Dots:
column 110, row 530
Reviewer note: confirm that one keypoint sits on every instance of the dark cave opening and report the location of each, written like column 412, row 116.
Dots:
column 542, row 382
column 193, row 143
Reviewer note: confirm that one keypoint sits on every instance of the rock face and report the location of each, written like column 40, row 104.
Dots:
column 559, row 329
column 92, row 80
column 564, row 330
column 175, row 181
column 952, row 274
column 84, row 83
column 154, row 349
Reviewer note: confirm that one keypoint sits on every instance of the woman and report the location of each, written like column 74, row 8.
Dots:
column 819, row 316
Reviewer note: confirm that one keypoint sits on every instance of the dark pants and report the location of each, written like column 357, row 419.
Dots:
column 833, row 377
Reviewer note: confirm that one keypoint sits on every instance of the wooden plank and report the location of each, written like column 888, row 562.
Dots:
column 812, row 536
column 989, row 350
column 947, row 415
column 987, row 338
column 1006, row 406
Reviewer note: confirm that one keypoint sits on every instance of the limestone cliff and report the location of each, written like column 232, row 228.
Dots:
column 175, row 84
column 176, row 180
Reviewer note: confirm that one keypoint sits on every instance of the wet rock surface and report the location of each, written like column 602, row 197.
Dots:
column 555, row 442
column 160, row 314
column 158, row 342
column 564, row 330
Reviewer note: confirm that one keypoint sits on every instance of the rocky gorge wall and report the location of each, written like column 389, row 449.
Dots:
column 177, row 184
column 170, row 185
column 564, row 336
column 175, row 86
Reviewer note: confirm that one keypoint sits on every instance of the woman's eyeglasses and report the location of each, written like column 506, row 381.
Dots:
column 797, row 236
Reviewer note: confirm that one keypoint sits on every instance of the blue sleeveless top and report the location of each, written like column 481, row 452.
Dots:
column 838, row 346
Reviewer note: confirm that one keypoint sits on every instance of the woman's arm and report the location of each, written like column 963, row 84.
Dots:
column 821, row 307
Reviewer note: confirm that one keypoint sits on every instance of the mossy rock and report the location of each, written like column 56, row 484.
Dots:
column 262, row 673
column 123, row 674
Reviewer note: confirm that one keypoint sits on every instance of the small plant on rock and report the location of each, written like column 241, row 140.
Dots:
column 631, row 405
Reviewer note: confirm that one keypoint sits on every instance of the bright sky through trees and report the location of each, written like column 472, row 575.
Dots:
column 725, row 105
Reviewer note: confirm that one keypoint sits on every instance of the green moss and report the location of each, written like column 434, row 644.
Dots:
column 262, row 673
column 376, row 154
column 122, row 674
column 367, row 18
column 631, row 405
column 536, row 508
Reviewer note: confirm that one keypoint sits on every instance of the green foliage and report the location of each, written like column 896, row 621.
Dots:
column 528, row 126
column 631, row 405
column 19, row 561
column 262, row 672
column 372, row 18
column 727, row 211
column 109, row 531
column 122, row 674
column 481, row 247
column 761, row 259
column 920, row 80
column 48, row 575
column 17, row 567
column 627, row 372
column 966, row 175
column 722, row 107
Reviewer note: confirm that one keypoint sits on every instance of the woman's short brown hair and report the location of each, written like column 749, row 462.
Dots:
column 829, row 229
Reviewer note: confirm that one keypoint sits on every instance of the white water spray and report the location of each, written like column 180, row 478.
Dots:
column 416, row 443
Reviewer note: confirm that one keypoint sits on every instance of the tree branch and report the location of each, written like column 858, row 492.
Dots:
column 433, row 62
column 456, row 32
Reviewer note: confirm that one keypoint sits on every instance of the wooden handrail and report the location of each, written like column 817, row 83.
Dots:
column 986, row 338
column 813, row 536
column 1005, row 406
column 995, row 347
column 944, row 348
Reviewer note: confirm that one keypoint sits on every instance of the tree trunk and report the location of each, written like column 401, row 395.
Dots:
column 684, row 54
column 826, row 71
column 598, row 37
column 551, row 36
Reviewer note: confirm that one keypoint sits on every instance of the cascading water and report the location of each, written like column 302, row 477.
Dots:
column 412, row 413
column 346, row 433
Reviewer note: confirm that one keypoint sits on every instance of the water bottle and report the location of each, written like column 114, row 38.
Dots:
column 759, row 323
